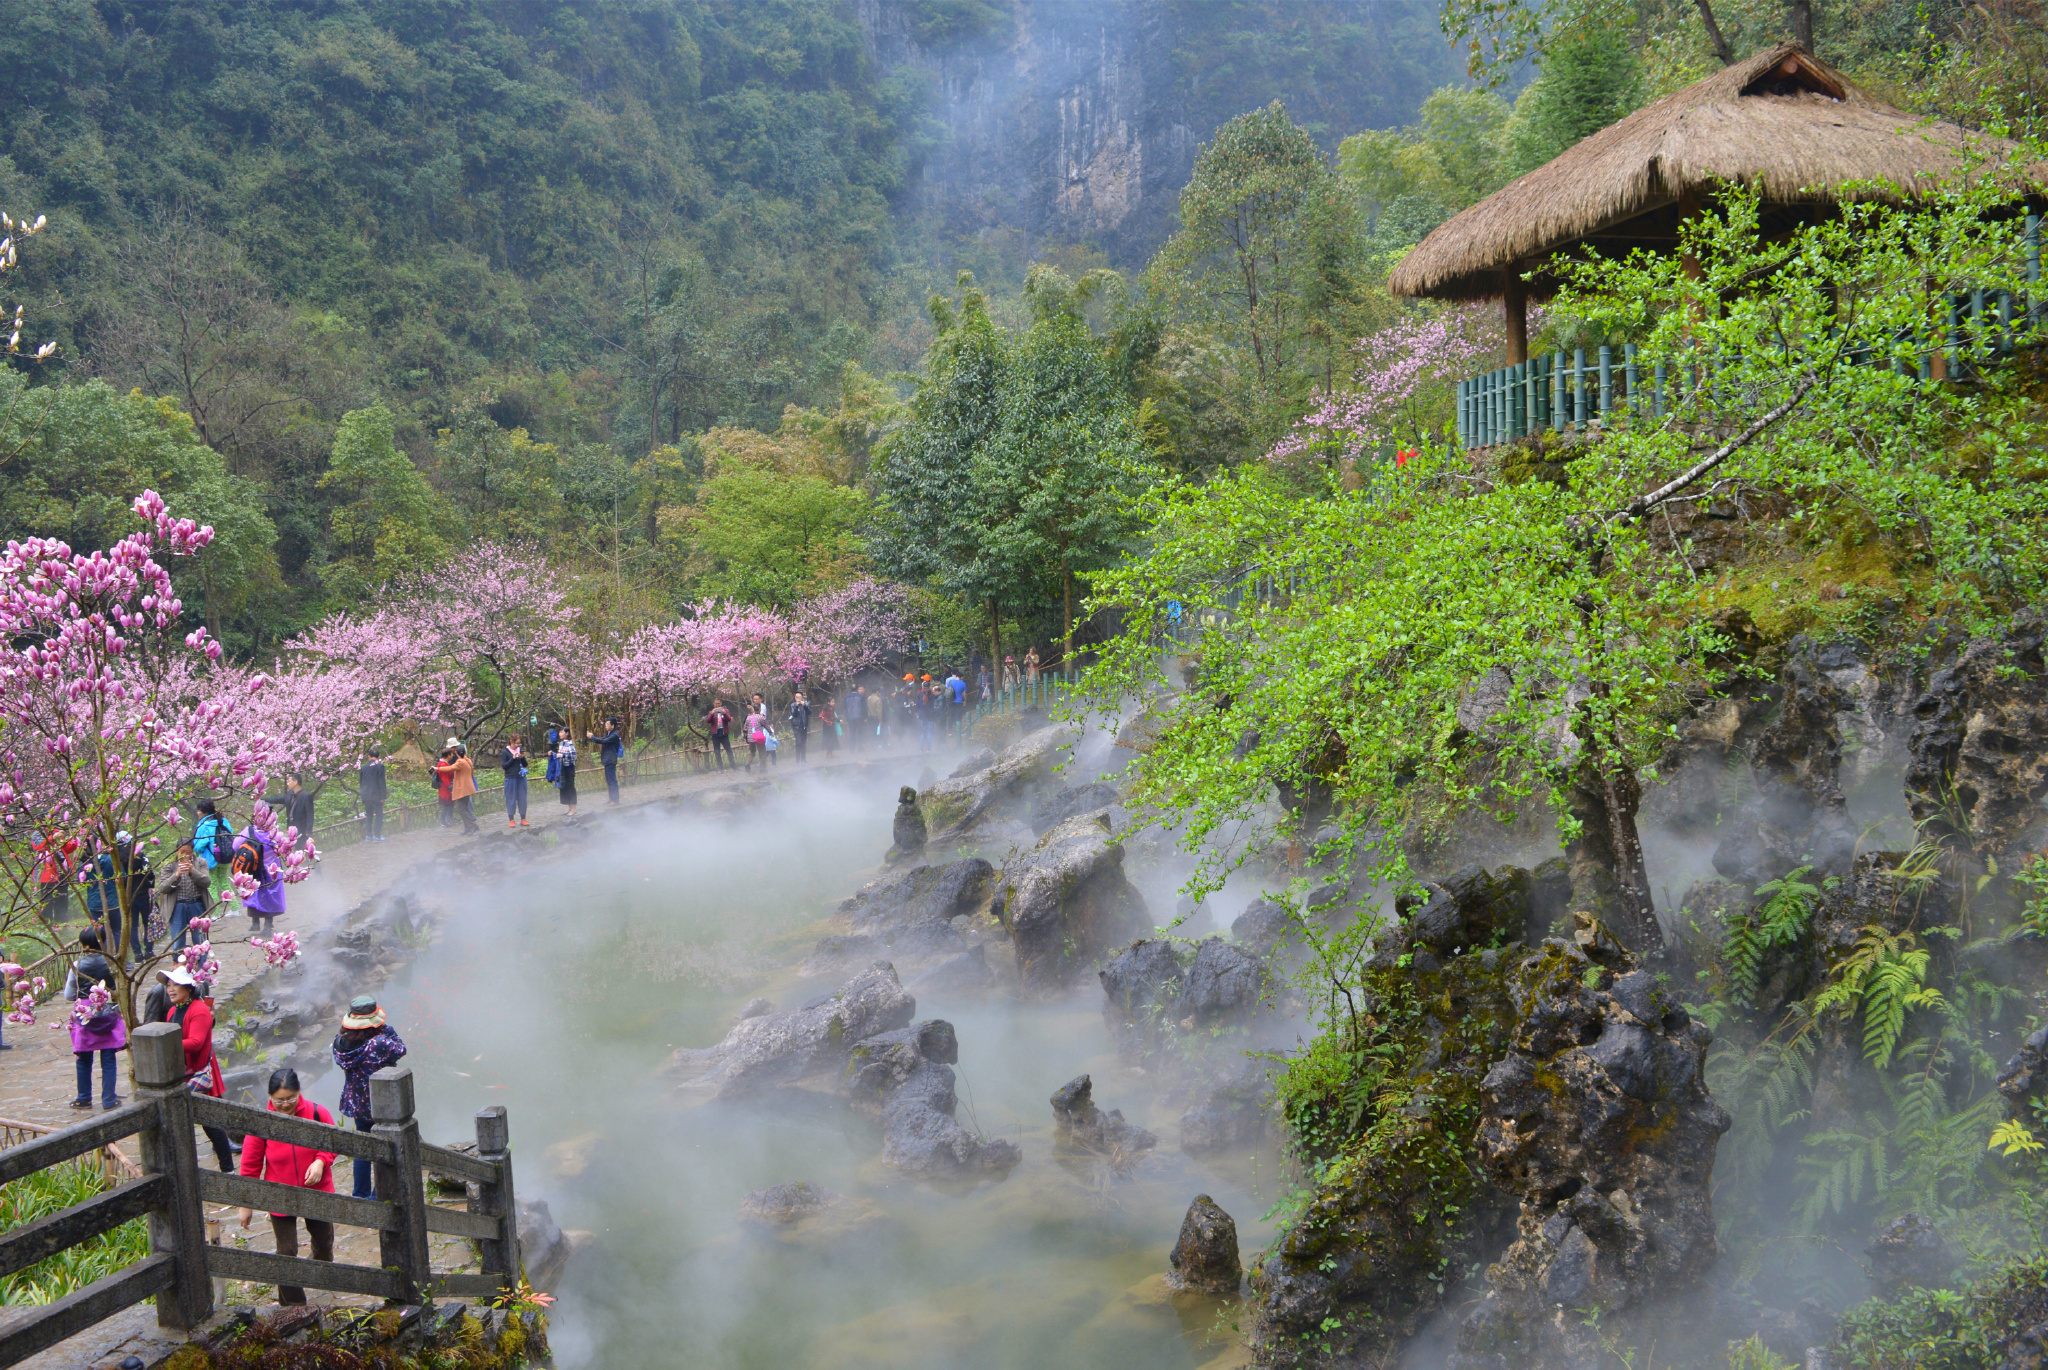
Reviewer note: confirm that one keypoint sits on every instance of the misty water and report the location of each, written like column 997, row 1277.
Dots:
column 562, row 992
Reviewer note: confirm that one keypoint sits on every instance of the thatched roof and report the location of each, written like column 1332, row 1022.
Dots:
column 1782, row 122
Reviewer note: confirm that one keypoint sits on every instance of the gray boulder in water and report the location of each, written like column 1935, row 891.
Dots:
column 1066, row 901
column 1078, row 1125
column 993, row 802
column 1204, row 1259
column 787, row 1048
column 785, row 1205
column 1230, row 1111
column 905, row 1079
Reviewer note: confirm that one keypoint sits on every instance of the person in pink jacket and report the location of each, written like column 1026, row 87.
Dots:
column 289, row 1164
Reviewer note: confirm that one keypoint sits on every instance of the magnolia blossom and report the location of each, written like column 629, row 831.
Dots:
column 278, row 950
column 88, row 1006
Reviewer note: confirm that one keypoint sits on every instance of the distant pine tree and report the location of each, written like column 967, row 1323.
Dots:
column 1590, row 79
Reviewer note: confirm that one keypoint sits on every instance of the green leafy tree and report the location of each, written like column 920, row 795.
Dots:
column 1266, row 252
column 393, row 522
column 501, row 482
column 1792, row 362
column 771, row 538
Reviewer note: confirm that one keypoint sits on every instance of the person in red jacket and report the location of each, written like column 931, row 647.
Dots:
column 300, row 1167
column 194, row 1016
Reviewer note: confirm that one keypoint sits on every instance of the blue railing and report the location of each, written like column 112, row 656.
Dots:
column 1587, row 390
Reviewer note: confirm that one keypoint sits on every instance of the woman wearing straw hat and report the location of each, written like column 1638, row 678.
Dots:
column 365, row 1044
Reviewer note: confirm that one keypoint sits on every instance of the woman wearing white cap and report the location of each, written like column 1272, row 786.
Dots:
column 193, row 1014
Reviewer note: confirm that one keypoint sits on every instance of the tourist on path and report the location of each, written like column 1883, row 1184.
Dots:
column 186, row 890
column 256, row 856
column 828, row 728
column 364, row 1045
column 981, row 681
column 373, row 789
column 854, row 714
column 800, row 722
column 112, row 874
column 959, row 689
column 104, row 1033
column 757, row 731
column 53, row 857
column 610, row 747
column 513, row 763
column 1031, row 666
column 288, row 1163
column 565, row 770
column 156, row 1005
column 214, row 840
column 298, row 814
column 194, row 1016
column 459, row 782
column 924, row 702
column 444, row 782
column 718, row 724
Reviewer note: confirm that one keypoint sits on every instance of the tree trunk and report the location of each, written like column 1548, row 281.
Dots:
column 1801, row 14
column 1608, row 877
column 1714, row 36
column 995, row 644
column 1067, row 616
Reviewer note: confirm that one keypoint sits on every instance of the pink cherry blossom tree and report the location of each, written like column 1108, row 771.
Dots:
column 1402, row 389
column 111, row 713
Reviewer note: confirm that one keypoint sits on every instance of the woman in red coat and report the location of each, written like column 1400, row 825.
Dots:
column 194, row 1017
column 287, row 1163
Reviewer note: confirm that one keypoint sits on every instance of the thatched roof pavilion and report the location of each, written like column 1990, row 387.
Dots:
column 1783, row 122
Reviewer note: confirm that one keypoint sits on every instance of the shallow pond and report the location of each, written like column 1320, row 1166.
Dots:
column 562, row 994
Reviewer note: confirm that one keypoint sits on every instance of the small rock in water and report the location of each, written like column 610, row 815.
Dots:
column 784, row 1205
column 909, row 832
column 1078, row 1125
column 1205, row 1260
column 753, row 1008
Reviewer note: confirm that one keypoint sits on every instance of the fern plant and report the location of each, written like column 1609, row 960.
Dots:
column 1780, row 921
column 1884, row 978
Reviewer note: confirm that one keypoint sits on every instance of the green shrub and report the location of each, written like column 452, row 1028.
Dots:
column 50, row 1191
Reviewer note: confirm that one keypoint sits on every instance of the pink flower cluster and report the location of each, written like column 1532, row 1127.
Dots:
column 1402, row 386
column 730, row 647
column 21, row 1009
column 88, row 1006
column 278, row 950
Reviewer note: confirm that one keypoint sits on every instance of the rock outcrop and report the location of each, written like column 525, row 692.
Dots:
column 905, row 1079
column 1978, row 753
column 927, row 920
column 1154, row 990
column 1908, row 1252
column 1230, row 1111
column 797, row 1045
column 989, row 807
column 1469, row 908
column 1599, row 1120
column 785, row 1205
column 1204, row 1258
column 1065, row 901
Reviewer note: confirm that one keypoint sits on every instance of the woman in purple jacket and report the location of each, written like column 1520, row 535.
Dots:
column 364, row 1045
column 256, row 855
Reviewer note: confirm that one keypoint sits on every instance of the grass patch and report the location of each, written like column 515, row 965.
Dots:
column 49, row 1191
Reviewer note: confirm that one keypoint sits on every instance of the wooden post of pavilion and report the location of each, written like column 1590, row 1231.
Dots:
column 1515, row 310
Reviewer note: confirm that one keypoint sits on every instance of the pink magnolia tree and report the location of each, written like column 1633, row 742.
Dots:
column 1403, row 388
column 111, row 714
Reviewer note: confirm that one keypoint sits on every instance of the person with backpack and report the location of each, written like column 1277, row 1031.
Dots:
column 213, row 841
column 298, row 1167
column 104, row 1034
column 187, row 890
column 610, row 748
column 565, row 755
column 718, row 725
column 256, row 856
column 757, row 732
column 513, row 763
column 373, row 789
column 800, row 723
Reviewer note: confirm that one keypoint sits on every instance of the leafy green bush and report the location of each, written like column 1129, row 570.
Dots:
column 1942, row 1329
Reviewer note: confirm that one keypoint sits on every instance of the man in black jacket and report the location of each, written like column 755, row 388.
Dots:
column 610, row 748
column 800, row 722
column 298, row 811
column 373, row 790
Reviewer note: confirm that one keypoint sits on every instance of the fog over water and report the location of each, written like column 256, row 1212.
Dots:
column 562, row 992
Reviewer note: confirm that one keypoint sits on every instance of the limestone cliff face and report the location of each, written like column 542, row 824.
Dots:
column 1057, row 121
